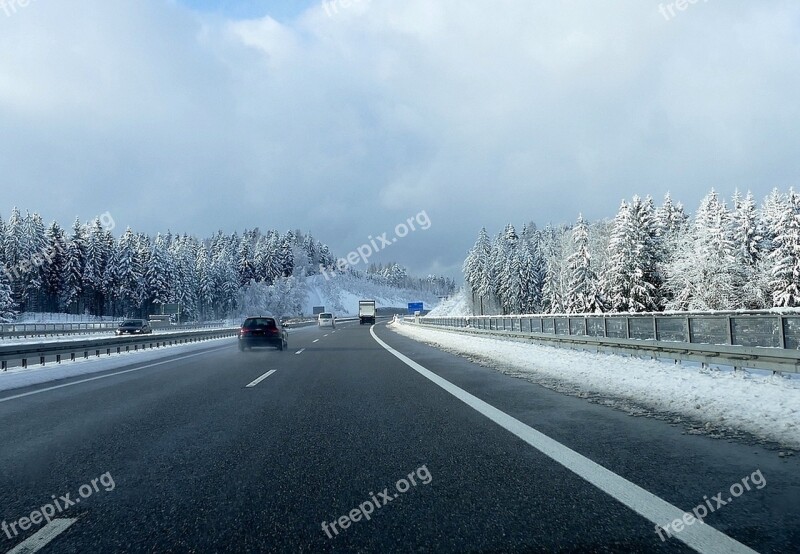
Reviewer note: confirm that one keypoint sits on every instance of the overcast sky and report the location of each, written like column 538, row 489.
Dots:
column 199, row 115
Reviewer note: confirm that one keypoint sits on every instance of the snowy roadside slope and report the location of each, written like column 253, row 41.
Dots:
column 341, row 294
column 455, row 306
column 767, row 407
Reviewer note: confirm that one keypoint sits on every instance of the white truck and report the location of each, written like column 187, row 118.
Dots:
column 366, row 311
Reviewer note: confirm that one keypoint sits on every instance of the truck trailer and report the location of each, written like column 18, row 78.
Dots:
column 366, row 311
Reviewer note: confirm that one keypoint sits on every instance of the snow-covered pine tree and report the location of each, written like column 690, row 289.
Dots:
column 53, row 267
column 7, row 305
column 15, row 256
column 477, row 272
column 628, row 281
column 246, row 258
column 786, row 255
column 158, row 275
column 205, row 281
column 99, row 245
column 225, row 278
column 34, row 246
column 511, row 289
column 185, row 281
column 583, row 294
column 554, row 285
column 128, row 273
column 74, row 263
column 769, row 219
column 286, row 254
column 533, row 269
column 747, row 241
column 704, row 274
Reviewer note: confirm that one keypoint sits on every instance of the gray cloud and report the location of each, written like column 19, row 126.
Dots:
column 479, row 114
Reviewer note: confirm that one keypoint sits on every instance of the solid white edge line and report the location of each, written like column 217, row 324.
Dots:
column 700, row 536
column 37, row 391
column 43, row 536
column 300, row 351
column 257, row 381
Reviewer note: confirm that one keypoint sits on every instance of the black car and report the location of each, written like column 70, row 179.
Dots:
column 263, row 331
column 134, row 327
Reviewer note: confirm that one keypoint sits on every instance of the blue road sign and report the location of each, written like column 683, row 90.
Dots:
column 415, row 307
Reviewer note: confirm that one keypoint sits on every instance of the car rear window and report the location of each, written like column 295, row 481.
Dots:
column 260, row 322
column 325, row 316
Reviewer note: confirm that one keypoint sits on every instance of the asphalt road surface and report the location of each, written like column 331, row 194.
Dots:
column 339, row 445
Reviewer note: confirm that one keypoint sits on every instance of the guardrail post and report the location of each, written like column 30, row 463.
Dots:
column 730, row 332
column 627, row 327
column 41, row 360
column 689, row 329
column 24, row 363
column 655, row 328
column 781, row 332
column 58, row 358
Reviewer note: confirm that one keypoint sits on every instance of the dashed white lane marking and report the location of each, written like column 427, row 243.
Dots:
column 257, row 381
column 300, row 351
column 315, row 340
column 701, row 537
column 43, row 536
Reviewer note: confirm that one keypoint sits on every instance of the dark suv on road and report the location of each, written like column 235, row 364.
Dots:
column 133, row 327
column 262, row 331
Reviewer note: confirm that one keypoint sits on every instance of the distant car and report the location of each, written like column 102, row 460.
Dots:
column 134, row 327
column 262, row 331
column 326, row 319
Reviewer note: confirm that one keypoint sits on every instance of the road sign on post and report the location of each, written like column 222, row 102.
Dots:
column 415, row 307
column 170, row 309
column 319, row 310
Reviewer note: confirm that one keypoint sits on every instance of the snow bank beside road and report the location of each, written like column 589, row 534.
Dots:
column 455, row 306
column 35, row 374
column 768, row 407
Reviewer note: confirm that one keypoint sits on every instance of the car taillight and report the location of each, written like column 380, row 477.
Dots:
column 244, row 331
column 273, row 331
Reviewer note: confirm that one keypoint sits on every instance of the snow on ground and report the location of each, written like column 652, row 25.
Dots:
column 456, row 306
column 47, row 317
column 34, row 375
column 340, row 294
column 765, row 406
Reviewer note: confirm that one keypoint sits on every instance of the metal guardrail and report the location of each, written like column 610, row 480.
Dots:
column 22, row 330
column 42, row 329
column 104, row 345
column 759, row 340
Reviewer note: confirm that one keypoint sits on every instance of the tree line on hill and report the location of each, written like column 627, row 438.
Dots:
column 647, row 259
column 85, row 269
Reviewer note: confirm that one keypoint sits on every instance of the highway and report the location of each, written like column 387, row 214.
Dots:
column 338, row 445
